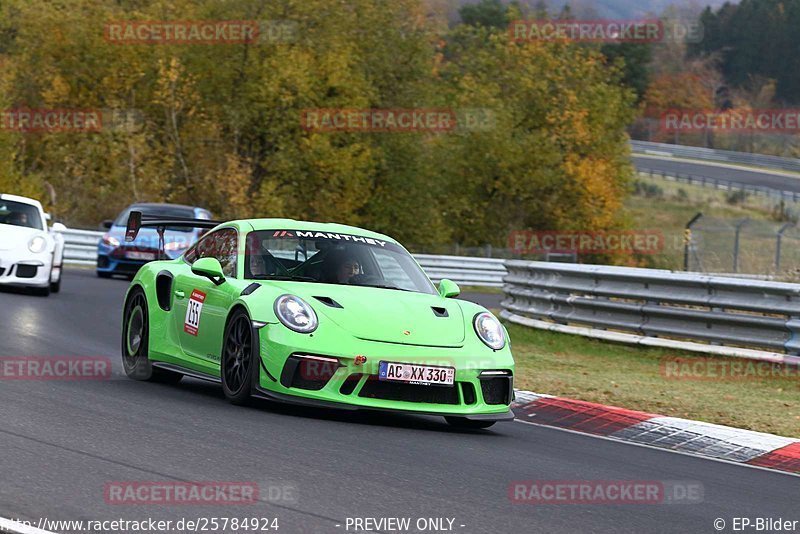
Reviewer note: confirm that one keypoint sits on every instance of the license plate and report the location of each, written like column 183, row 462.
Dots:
column 410, row 373
column 136, row 255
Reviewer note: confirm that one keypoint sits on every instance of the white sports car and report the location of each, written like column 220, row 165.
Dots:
column 30, row 255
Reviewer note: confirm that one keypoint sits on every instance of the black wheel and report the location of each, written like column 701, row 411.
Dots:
column 135, row 343
column 103, row 275
column 463, row 422
column 41, row 291
column 238, row 364
column 55, row 287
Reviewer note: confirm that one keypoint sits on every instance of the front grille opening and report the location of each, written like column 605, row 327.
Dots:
column 102, row 262
column 309, row 374
column 350, row 384
column 468, row 392
column 496, row 390
column 26, row 271
column 396, row 391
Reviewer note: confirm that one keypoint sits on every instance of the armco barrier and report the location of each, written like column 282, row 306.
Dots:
column 80, row 246
column 469, row 271
column 719, row 156
column 81, row 249
column 656, row 303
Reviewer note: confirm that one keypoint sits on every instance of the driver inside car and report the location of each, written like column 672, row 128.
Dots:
column 348, row 268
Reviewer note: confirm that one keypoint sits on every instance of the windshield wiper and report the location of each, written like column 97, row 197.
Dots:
column 387, row 287
column 285, row 277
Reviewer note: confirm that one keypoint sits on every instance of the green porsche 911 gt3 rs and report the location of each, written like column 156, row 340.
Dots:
column 318, row 314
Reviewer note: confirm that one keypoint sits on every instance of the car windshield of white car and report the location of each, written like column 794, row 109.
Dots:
column 19, row 214
column 332, row 258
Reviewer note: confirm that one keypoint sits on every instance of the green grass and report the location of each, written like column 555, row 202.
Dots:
column 631, row 377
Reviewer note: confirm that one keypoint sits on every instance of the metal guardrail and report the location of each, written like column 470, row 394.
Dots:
column 81, row 249
column 720, row 183
column 80, row 246
column 657, row 303
column 464, row 270
column 720, row 156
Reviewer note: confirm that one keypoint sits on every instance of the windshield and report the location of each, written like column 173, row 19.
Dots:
column 160, row 211
column 20, row 214
column 332, row 258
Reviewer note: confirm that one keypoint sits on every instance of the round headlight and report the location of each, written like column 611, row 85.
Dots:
column 37, row 244
column 296, row 314
column 490, row 330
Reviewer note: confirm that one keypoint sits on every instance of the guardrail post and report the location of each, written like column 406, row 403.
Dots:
column 736, row 244
column 687, row 239
column 778, row 245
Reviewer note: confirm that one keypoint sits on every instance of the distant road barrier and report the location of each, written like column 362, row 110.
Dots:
column 719, row 156
column 721, row 183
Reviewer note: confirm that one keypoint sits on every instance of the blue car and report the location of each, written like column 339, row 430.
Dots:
column 115, row 256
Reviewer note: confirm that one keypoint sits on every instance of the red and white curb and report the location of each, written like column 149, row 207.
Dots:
column 672, row 433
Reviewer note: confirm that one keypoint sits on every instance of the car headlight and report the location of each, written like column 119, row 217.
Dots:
column 489, row 330
column 296, row 314
column 110, row 241
column 37, row 244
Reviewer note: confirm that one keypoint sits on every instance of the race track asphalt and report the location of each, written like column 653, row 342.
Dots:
column 61, row 442
column 750, row 176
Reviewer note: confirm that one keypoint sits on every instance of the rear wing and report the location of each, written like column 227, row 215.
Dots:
column 137, row 221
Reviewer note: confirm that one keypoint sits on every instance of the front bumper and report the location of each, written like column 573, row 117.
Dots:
column 25, row 269
column 347, row 385
column 115, row 260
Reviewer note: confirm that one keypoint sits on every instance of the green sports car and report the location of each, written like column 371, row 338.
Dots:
column 319, row 314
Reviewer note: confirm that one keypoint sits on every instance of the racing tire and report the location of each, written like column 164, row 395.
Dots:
column 463, row 422
column 41, row 291
column 238, row 364
column 135, row 343
column 55, row 287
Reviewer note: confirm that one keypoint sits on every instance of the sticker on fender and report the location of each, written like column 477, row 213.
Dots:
column 192, row 321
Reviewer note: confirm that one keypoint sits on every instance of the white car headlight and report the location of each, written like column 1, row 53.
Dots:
column 37, row 244
column 110, row 241
column 490, row 330
column 296, row 314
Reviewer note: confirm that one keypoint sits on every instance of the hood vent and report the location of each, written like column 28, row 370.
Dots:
column 439, row 312
column 329, row 302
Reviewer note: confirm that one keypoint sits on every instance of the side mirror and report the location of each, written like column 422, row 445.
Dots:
column 448, row 288
column 58, row 227
column 210, row 268
column 48, row 217
column 107, row 224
